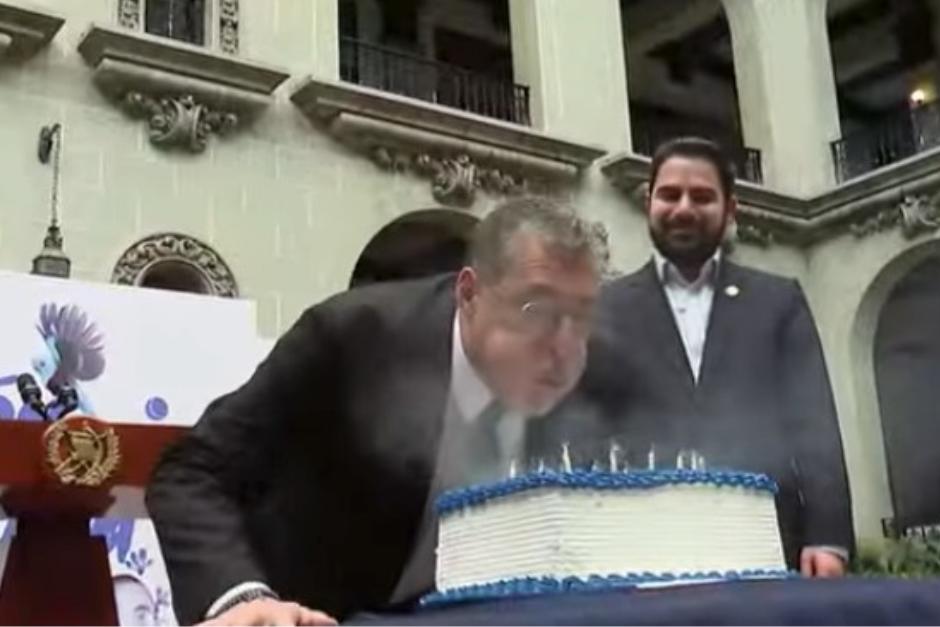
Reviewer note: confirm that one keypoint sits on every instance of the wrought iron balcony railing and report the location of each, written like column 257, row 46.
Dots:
column 747, row 161
column 409, row 75
column 895, row 137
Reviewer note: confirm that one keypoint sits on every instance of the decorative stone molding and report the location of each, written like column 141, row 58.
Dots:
column 185, row 92
column 919, row 214
column 179, row 121
column 133, row 265
column 459, row 146
column 23, row 32
column 904, row 195
column 753, row 234
column 455, row 180
column 915, row 215
column 228, row 26
column 129, row 16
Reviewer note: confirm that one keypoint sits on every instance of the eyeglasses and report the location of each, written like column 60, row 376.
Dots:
column 543, row 317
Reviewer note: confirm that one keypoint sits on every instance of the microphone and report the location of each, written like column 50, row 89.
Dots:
column 31, row 394
column 66, row 397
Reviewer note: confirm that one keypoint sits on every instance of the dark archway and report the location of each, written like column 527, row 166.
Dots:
column 907, row 375
column 415, row 245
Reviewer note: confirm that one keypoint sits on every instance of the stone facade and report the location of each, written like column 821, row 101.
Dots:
column 291, row 194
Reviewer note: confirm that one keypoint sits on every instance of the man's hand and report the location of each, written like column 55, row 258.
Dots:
column 816, row 562
column 270, row 612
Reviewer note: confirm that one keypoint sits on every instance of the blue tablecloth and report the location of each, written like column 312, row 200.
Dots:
column 853, row 601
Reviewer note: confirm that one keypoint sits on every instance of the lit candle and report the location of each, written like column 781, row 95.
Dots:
column 565, row 457
column 651, row 458
column 614, row 452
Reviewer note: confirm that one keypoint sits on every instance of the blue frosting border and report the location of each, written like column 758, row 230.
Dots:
column 600, row 480
column 538, row 586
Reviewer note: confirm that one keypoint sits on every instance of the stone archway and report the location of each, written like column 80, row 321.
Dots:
column 177, row 262
column 894, row 349
column 417, row 244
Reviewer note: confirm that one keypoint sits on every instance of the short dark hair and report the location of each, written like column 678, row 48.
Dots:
column 557, row 223
column 695, row 148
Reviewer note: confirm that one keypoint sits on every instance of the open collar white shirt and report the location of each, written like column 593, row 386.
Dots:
column 691, row 304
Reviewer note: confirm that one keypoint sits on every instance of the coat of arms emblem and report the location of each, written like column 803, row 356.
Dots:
column 82, row 451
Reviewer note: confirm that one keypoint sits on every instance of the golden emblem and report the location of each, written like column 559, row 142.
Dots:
column 82, row 451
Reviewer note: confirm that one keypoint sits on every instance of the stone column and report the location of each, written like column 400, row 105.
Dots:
column 326, row 39
column 786, row 90
column 571, row 56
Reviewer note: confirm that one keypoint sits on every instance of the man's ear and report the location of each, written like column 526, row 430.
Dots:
column 732, row 208
column 466, row 290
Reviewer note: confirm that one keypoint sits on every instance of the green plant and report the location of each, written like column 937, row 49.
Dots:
column 909, row 557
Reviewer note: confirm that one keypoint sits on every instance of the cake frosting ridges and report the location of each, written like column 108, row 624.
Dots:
column 553, row 531
column 599, row 480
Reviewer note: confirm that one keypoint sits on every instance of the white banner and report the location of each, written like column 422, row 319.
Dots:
column 133, row 355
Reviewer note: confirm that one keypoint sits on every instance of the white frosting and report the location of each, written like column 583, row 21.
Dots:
column 561, row 532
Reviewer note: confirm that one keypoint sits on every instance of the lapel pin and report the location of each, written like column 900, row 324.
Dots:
column 732, row 290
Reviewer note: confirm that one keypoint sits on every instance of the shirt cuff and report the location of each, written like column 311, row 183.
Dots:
column 840, row 552
column 233, row 592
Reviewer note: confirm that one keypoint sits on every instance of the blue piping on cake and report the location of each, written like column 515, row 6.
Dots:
column 537, row 586
column 600, row 480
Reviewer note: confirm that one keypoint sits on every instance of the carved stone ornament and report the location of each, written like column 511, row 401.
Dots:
column 914, row 214
column 179, row 121
column 454, row 180
column 129, row 14
column 139, row 258
column 228, row 26
column 752, row 234
column 919, row 214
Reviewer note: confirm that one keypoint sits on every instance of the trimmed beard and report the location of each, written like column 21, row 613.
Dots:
column 695, row 256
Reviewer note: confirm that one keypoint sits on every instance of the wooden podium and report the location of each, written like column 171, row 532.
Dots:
column 55, row 477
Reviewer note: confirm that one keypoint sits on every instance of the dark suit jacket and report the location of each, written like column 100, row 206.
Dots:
column 312, row 477
column 762, row 402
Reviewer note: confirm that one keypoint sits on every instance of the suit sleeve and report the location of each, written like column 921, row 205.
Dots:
column 818, row 456
column 196, row 495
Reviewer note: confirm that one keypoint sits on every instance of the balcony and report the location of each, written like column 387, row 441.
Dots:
column 895, row 137
column 747, row 161
column 412, row 76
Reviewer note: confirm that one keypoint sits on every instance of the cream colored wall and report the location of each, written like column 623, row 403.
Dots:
column 847, row 283
column 287, row 207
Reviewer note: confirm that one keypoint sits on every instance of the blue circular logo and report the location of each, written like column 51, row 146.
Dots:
column 156, row 408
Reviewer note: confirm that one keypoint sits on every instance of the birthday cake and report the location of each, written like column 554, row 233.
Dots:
column 553, row 531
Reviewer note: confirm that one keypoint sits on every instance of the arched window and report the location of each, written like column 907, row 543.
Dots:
column 173, row 261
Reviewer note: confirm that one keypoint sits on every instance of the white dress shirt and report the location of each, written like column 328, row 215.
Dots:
column 691, row 304
column 470, row 396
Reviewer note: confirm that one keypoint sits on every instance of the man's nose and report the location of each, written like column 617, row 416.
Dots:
column 684, row 205
column 569, row 340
